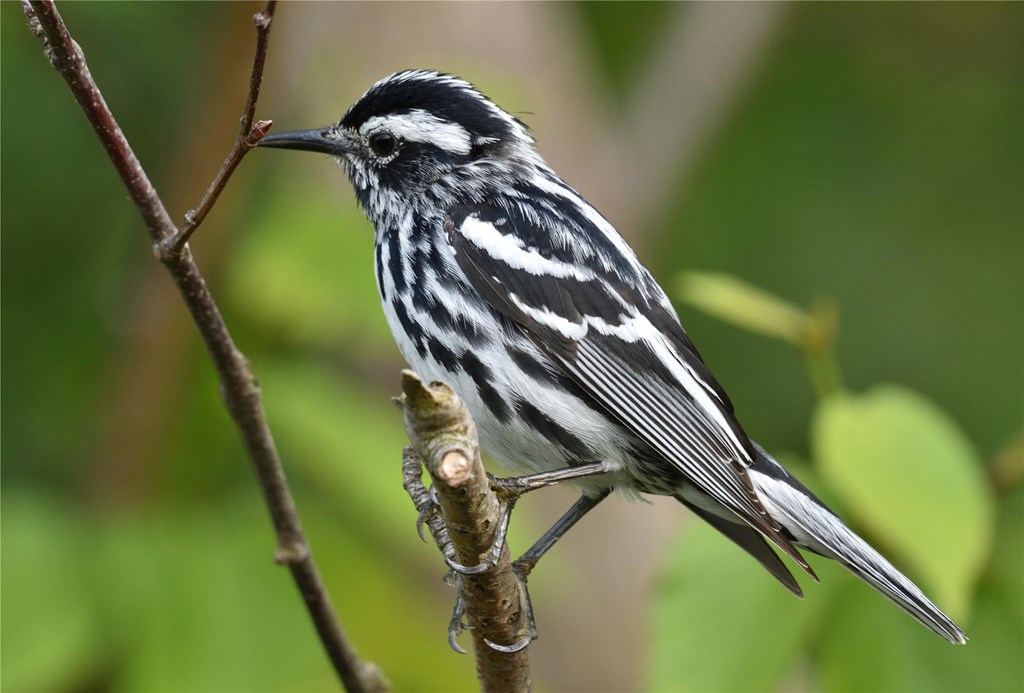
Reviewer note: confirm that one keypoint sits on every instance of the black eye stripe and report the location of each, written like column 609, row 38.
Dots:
column 383, row 143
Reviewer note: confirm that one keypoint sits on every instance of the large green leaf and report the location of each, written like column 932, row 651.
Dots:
column 722, row 623
column 908, row 474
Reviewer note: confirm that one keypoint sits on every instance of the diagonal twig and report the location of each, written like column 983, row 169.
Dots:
column 239, row 388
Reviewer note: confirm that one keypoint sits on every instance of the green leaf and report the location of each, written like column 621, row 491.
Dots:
column 907, row 473
column 722, row 623
column 734, row 301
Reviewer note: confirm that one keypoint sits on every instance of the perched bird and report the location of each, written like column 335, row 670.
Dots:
column 500, row 280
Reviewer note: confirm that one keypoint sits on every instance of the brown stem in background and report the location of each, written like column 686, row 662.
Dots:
column 444, row 439
column 239, row 389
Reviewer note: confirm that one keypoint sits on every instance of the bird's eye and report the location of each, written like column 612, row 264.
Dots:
column 383, row 144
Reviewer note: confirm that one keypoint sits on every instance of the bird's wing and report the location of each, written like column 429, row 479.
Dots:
column 598, row 320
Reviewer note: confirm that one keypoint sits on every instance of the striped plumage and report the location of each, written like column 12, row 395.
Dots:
column 500, row 280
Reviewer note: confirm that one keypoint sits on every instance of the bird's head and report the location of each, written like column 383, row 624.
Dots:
column 411, row 129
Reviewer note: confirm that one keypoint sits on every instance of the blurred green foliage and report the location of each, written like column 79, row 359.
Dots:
column 876, row 157
column 900, row 469
column 719, row 625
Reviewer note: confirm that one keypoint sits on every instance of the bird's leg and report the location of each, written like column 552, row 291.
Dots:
column 517, row 486
column 525, row 563
column 509, row 490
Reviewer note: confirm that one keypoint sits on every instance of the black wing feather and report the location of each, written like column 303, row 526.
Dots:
column 748, row 539
column 627, row 378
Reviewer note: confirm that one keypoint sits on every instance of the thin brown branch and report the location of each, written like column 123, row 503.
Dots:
column 444, row 438
column 248, row 135
column 239, row 389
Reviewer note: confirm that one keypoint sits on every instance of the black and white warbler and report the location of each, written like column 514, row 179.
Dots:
column 500, row 280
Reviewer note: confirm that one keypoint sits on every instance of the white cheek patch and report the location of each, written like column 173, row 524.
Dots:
column 421, row 126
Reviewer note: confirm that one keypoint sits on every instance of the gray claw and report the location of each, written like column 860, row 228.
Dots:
column 421, row 520
column 513, row 648
column 483, row 566
column 455, row 627
column 493, row 555
column 455, row 645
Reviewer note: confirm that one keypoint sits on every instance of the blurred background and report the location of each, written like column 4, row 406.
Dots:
column 864, row 161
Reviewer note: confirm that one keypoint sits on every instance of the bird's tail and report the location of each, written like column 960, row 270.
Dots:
column 817, row 528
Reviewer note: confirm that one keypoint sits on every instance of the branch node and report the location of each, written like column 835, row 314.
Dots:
column 292, row 553
column 261, row 21
column 170, row 251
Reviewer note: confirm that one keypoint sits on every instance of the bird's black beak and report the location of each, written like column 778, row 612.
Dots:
column 323, row 140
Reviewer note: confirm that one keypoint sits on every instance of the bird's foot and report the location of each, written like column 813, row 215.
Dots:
column 509, row 487
column 489, row 559
column 527, row 632
column 528, row 626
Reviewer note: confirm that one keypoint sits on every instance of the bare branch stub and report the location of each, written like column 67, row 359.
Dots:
column 444, row 437
column 239, row 389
